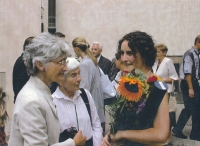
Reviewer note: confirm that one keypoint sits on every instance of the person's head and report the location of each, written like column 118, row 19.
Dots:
column 197, row 42
column 161, row 51
column 59, row 34
column 27, row 42
column 118, row 62
column 81, row 47
column 46, row 55
column 96, row 49
column 72, row 76
column 137, row 49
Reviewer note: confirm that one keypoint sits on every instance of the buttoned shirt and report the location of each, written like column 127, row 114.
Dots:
column 72, row 112
column 186, row 66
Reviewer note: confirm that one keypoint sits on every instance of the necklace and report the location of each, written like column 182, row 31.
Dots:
column 147, row 75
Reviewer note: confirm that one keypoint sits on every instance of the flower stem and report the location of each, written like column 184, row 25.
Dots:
column 123, row 106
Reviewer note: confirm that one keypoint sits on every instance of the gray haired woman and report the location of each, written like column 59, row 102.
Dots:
column 35, row 121
column 76, row 108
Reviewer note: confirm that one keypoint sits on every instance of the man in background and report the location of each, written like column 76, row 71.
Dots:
column 104, row 63
column 190, row 86
column 20, row 76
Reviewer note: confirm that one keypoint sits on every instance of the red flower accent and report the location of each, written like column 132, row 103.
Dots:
column 124, row 73
column 152, row 79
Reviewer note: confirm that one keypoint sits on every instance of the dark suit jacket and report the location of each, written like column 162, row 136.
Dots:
column 20, row 76
column 113, row 70
column 104, row 64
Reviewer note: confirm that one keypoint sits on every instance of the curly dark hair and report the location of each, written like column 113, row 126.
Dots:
column 143, row 43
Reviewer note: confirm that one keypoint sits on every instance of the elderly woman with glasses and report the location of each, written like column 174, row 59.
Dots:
column 35, row 120
column 76, row 108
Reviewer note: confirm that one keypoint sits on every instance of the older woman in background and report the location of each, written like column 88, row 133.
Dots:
column 35, row 120
column 76, row 108
column 90, row 75
column 164, row 68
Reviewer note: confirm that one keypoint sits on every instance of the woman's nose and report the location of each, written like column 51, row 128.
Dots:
column 123, row 57
column 65, row 68
column 79, row 78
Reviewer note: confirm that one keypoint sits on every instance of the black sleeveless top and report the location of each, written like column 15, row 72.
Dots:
column 146, row 118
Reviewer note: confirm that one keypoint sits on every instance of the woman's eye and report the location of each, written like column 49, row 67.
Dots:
column 129, row 53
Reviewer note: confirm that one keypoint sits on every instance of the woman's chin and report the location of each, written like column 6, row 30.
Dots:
column 60, row 79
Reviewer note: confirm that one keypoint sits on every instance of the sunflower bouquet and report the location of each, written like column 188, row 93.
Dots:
column 125, row 112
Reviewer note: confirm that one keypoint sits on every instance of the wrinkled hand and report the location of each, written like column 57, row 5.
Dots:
column 191, row 93
column 79, row 139
column 105, row 141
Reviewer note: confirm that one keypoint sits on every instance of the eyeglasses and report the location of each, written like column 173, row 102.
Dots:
column 62, row 63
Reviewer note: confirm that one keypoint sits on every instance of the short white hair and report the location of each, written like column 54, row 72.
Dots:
column 97, row 43
column 72, row 64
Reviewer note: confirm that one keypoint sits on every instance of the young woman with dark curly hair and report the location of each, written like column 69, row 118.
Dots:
column 137, row 49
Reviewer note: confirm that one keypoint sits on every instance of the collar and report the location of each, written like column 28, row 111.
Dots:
column 98, row 58
column 58, row 94
column 40, row 84
column 195, row 50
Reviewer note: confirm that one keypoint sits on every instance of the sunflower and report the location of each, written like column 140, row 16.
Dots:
column 130, row 88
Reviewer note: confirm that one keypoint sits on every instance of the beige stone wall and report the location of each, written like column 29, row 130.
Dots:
column 19, row 20
column 173, row 22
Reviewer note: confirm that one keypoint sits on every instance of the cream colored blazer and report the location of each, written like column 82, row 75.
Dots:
column 35, row 120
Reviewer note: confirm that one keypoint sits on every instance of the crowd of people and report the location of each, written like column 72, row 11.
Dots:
column 59, row 99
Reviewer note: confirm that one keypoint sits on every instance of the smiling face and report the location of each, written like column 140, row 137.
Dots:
column 129, row 59
column 72, row 81
column 55, row 69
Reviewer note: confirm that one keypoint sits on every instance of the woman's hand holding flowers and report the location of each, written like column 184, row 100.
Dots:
column 112, row 138
column 105, row 141
column 116, row 137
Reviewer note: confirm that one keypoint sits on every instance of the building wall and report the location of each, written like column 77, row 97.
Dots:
column 19, row 20
column 173, row 22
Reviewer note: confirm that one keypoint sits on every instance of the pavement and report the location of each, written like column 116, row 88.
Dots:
column 186, row 131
